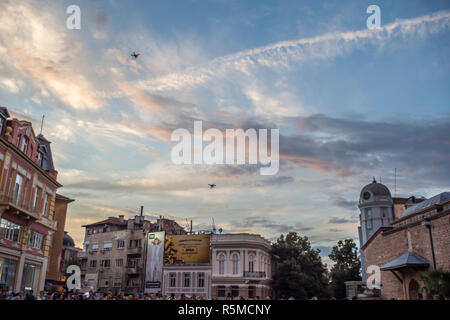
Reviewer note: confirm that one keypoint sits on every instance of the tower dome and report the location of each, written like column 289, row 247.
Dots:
column 67, row 240
column 374, row 192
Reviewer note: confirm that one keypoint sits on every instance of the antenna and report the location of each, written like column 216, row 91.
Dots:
column 395, row 182
column 213, row 226
column 42, row 123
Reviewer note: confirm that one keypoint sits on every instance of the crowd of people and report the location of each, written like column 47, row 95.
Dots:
column 90, row 295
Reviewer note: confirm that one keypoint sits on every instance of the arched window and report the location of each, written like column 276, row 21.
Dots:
column 235, row 259
column 221, row 263
column 251, row 263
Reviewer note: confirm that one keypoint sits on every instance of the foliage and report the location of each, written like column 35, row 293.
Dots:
column 436, row 282
column 346, row 268
column 300, row 272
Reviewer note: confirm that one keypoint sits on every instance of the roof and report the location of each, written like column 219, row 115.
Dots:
column 63, row 198
column 377, row 189
column 47, row 158
column 67, row 240
column 110, row 220
column 437, row 199
column 408, row 259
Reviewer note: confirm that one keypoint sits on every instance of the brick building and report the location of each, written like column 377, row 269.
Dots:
column 55, row 277
column 27, row 203
column 416, row 240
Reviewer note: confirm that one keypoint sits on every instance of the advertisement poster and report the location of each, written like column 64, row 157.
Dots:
column 154, row 263
column 187, row 249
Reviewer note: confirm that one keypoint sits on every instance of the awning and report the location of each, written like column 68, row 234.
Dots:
column 406, row 260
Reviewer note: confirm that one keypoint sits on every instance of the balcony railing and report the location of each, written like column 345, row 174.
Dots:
column 134, row 251
column 22, row 206
column 256, row 274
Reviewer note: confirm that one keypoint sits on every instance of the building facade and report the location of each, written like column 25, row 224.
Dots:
column 113, row 256
column 241, row 266
column 188, row 280
column 418, row 240
column 27, row 203
column 55, row 278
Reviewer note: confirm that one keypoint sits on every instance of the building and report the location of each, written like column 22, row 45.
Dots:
column 378, row 209
column 188, row 280
column 403, row 237
column 241, row 266
column 113, row 256
column 55, row 278
column 187, row 268
column 27, row 204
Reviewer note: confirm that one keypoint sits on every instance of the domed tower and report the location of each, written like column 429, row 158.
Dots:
column 375, row 205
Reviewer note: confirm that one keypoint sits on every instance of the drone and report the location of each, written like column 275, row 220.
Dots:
column 211, row 185
column 135, row 55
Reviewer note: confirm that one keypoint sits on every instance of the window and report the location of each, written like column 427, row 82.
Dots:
column 187, row 280
column 105, row 263
column 10, row 230
column 234, row 291
column 251, row 291
column 117, row 283
column 221, row 291
column 119, row 262
column 120, row 244
column 39, row 158
column 24, row 145
column 93, row 264
column 91, row 283
column 35, row 240
column 368, row 214
column 44, row 211
column 383, row 213
column 107, row 245
column 408, row 240
column 172, row 280
column 37, row 194
column 222, row 264
column 251, row 263
column 17, row 188
column 94, row 246
column 235, row 259
column 201, row 280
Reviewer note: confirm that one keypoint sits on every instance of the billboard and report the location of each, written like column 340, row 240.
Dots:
column 154, row 261
column 187, row 249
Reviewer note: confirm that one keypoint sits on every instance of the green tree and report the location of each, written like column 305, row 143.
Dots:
column 346, row 268
column 299, row 272
column 436, row 282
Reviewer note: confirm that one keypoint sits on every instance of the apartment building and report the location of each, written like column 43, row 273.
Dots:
column 113, row 256
column 27, row 198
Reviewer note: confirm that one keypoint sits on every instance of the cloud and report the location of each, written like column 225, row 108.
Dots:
column 43, row 55
column 279, row 55
column 335, row 220
column 346, row 204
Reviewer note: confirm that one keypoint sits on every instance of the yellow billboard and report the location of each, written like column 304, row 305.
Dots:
column 187, row 249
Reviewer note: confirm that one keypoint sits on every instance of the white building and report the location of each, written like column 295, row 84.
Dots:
column 189, row 280
column 241, row 266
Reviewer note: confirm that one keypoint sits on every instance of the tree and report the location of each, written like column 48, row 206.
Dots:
column 436, row 282
column 346, row 268
column 300, row 272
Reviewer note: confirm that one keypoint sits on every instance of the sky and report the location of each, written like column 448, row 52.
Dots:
column 350, row 104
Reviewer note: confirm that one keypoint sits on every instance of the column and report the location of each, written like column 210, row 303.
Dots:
column 19, row 272
column 42, row 275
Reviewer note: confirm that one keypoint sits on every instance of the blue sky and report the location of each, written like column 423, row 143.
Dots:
column 350, row 103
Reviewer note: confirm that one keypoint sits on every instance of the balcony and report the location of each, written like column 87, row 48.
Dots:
column 24, row 209
column 134, row 251
column 256, row 275
column 133, row 270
